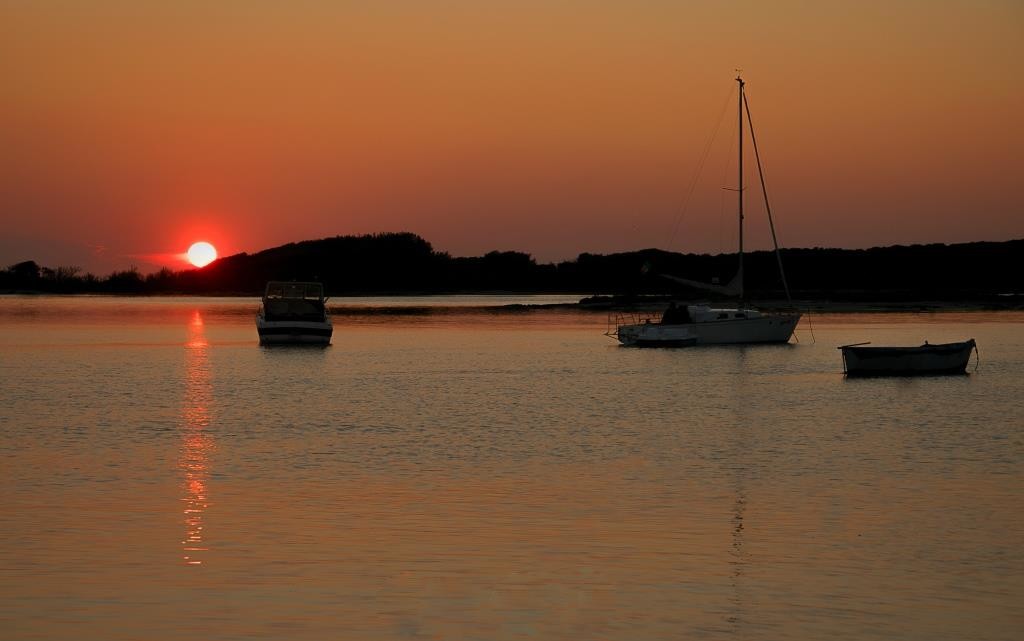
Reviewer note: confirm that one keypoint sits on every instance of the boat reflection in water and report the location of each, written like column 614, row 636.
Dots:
column 197, row 444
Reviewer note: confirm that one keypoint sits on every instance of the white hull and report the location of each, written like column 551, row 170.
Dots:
column 656, row 335
column 775, row 328
column 287, row 332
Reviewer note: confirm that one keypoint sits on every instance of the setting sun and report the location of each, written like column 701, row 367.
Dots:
column 202, row 254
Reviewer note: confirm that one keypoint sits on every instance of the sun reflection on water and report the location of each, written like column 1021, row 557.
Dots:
column 197, row 444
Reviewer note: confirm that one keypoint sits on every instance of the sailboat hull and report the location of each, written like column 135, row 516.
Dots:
column 656, row 335
column 774, row 328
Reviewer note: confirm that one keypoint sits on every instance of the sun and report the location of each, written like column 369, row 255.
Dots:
column 202, row 253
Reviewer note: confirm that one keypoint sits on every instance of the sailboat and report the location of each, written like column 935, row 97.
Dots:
column 703, row 324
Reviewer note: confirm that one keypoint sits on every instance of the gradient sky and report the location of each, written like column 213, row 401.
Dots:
column 130, row 129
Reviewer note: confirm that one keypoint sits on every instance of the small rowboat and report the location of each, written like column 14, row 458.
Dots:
column 926, row 360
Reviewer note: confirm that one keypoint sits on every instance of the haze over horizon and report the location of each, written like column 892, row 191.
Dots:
column 130, row 131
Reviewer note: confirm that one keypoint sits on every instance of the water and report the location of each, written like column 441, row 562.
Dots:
column 456, row 472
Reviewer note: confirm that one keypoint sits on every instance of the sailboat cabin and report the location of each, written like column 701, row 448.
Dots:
column 706, row 314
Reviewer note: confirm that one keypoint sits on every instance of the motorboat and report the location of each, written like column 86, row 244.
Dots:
column 861, row 359
column 294, row 313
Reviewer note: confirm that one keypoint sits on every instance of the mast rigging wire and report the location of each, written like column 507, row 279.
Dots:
column 764, row 191
column 700, row 168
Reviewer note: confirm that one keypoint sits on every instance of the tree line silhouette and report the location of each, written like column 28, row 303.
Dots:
column 404, row 263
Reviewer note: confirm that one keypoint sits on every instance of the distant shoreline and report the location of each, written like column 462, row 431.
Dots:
column 881, row 303
column 599, row 304
column 402, row 263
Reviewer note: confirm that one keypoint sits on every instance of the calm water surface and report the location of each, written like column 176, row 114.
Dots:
column 448, row 471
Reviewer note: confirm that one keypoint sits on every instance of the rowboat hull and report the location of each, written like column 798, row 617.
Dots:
column 926, row 360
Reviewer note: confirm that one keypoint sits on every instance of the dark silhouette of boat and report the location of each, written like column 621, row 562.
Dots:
column 294, row 313
column 926, row 360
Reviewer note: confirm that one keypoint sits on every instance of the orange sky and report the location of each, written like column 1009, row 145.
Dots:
column 129, row 130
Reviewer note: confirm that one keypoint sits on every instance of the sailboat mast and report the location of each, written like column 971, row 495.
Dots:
column 740, row 189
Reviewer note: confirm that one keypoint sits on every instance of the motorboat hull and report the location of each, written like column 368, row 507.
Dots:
column 926, row 360
column 288, row 332
column 774, row 328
